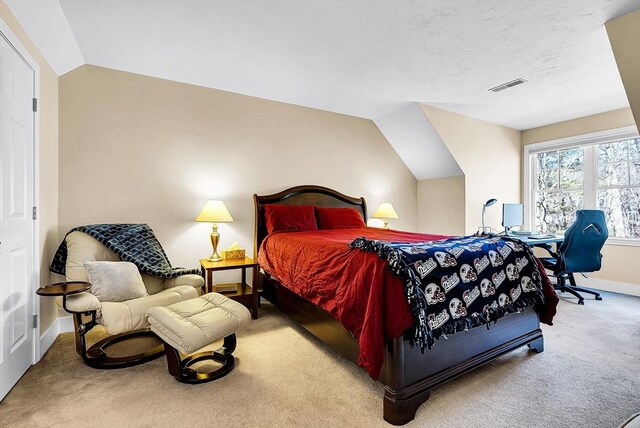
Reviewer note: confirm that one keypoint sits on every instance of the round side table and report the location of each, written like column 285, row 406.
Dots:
column 63, row 289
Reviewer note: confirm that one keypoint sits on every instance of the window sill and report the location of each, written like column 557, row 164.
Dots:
column 624, row 242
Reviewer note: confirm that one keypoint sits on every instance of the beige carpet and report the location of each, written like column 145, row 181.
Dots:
column 588, row 376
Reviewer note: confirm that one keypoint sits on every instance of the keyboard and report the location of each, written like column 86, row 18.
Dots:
column 541, row 236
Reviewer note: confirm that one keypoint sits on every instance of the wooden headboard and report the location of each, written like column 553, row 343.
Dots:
column 302, row 195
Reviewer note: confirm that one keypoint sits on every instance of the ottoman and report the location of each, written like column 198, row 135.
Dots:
column 190, row 325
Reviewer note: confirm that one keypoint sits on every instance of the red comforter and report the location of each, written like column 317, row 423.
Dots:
column 356, row 287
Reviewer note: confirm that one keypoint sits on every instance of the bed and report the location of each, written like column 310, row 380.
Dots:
column 408, row 374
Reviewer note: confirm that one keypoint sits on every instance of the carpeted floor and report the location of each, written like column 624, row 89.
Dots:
column 588, row 376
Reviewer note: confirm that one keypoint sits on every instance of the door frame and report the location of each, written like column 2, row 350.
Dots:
column 16, row 44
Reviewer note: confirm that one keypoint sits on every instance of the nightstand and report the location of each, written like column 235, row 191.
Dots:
column 241, row 292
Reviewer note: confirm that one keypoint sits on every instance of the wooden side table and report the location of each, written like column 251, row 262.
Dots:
column 64, row 289
column 242, row 292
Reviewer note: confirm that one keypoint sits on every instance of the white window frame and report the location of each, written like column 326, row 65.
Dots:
column 590, row 170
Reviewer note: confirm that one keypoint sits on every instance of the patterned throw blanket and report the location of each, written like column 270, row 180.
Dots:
column 459, row 283
column 133, row 243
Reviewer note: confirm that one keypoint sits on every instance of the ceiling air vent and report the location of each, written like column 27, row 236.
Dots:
column 507, row 85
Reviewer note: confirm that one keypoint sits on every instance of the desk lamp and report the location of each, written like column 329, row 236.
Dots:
column 215, row 212
column 484, row 208
column 385, row 211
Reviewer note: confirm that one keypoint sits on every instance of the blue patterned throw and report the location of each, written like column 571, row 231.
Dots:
column 135, row 243
column 459, row 283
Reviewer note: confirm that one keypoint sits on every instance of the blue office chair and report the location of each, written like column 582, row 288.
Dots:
column 579, row 252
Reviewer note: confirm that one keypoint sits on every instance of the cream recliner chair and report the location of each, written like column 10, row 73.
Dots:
column 122, row 320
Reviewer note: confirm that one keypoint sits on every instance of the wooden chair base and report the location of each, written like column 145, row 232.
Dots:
column 181, row 370
column 97, row 357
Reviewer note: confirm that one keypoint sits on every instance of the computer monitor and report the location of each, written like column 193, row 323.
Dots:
column 512, row 215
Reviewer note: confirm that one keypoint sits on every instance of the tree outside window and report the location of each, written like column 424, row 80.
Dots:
column 602, row 176
column 560, row 188
column 618, row 187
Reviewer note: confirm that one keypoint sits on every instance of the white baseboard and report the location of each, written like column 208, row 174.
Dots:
column 60, row 325
column 606, row 285
column 66, row 324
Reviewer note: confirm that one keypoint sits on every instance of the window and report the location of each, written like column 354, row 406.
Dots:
column 597, row 171
column 618, row 188
column 560, row 188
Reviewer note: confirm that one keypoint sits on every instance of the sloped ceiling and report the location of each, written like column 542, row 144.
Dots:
column 361, row 58
column 417, row 143
column 624, row 34
column 48, row 28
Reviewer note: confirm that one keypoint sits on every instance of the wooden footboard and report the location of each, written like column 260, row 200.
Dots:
column 407, row 373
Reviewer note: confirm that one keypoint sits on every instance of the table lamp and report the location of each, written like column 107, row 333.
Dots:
column 484, row 208
column 215, row 212
column 385, row 211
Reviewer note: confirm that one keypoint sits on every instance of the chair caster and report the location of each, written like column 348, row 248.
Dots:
column 598, row 298
column 581, row 302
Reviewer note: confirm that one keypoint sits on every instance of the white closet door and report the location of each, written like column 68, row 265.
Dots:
column 16, row 223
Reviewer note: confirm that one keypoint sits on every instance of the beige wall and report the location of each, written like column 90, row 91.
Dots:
column 624, row 36
column 584, row 125
column 490, row 157
column 141, row 149
column 620, row 263
column 441, row 205
column 48, row 161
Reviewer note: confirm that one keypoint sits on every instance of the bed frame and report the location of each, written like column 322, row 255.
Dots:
column 408, row 374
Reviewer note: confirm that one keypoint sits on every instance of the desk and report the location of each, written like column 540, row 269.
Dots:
column 539, row 242
column 542, row 243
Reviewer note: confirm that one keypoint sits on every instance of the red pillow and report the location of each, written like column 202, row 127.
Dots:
column 289, row 217
column 339, row 218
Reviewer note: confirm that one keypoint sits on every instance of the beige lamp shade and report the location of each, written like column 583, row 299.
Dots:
column 215, row 212
column 385, row 210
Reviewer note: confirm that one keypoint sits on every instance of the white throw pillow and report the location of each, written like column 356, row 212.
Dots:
column 115, row 281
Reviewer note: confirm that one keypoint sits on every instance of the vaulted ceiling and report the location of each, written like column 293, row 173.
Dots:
column 362, row 58
column 372, row 59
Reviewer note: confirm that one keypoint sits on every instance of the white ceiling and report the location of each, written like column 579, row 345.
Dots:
column 363, row 58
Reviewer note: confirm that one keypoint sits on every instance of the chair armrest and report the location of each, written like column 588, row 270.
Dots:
column 549, row 249
column 81, row 302
column 195, row 281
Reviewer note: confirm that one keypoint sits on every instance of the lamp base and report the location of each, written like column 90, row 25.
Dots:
column 215, row 238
